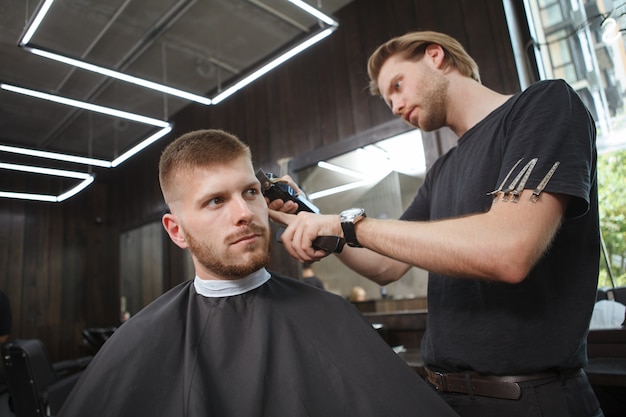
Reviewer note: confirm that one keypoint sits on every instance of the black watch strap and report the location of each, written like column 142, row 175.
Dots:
column 350, row 234
column 348, row 218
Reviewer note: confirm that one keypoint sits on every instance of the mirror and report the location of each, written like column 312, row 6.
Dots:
column 141, row 267
column 383, row 178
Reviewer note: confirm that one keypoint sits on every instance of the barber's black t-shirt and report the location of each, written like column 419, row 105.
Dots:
column 541, row 323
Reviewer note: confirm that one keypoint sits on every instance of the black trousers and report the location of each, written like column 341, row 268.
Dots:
column 554, row 397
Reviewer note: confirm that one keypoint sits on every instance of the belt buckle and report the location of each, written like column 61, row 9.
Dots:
column 440, row 384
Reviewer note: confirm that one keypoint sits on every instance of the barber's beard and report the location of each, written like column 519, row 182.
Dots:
column 435, row 100
column 229, row 264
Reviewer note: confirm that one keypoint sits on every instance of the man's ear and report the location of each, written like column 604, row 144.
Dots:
column 170, row 223
column 436, row 54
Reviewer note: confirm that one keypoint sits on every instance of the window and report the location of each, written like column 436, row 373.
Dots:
column 571, row 43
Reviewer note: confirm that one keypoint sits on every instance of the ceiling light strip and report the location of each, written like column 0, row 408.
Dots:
column 272, row 64
column 166, row 127
column 27, row 196
column 84, row 105
column 91, row 161
column 314, row 12
column 86, row 180
column 43, row 10
column 30, row 32
column 47, row 197
column 45, row 171
column 80, row 187
column 120, row 76
column 56, row 156
column 142, row 145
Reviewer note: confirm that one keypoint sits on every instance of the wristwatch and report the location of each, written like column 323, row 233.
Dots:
column 348, row 218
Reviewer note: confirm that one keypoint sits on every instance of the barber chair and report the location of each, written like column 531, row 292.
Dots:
column 618, row 294
column 96, row 336
column 37, row 386
column 606, row 370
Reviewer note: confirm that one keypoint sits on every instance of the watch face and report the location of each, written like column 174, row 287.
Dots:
column 350, row 214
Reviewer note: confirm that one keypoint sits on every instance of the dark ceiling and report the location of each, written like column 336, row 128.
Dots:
column 199, row 46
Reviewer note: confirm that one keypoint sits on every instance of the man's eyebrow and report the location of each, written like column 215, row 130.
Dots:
column 253, row 184
column 389, row 87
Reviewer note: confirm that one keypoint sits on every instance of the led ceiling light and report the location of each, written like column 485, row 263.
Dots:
column 56, row 156
column 45, row 8
column 120, row 76
column 30, row 31
column 84, row 105
column 166, row 127
column 142, row 145
column 272, row 64
column 86, row 180
column 314, row 12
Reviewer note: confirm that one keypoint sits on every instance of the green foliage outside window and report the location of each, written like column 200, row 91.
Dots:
column 612, row 205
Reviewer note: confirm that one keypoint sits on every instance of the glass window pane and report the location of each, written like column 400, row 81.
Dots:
column 552, row 15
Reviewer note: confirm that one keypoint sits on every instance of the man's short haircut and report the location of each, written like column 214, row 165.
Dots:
column 197, row 149
column 412, row 46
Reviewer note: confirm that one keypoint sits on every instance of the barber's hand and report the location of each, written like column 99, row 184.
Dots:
column 280, row 205
column 301, row 231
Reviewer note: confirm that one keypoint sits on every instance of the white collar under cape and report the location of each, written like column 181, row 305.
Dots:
column 229, row 288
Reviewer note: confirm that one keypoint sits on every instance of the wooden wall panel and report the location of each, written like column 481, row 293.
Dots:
column 59, row 262
column 57, row 270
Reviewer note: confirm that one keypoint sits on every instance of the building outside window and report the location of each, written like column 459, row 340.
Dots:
column 583, row 42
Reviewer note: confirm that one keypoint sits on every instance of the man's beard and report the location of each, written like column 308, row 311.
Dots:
column 233, row 265
column 435, row 99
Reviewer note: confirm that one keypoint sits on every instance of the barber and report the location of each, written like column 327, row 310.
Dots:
column 506, row 223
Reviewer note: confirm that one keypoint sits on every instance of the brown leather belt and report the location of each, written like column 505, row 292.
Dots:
column 506, row 387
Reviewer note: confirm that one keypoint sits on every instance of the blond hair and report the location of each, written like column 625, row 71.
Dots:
column 412, row 46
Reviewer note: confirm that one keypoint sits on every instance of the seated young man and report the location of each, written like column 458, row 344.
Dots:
column 238, row 340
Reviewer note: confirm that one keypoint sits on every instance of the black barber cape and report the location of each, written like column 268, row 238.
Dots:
column 283, row 349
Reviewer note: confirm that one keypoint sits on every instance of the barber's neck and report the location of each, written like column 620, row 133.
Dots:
column 469, row 102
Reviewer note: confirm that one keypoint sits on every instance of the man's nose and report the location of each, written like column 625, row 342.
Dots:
column 398, row 106
column 242, row 212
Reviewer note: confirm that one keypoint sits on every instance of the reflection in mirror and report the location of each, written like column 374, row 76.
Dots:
column 383, row 178
column 141, row 267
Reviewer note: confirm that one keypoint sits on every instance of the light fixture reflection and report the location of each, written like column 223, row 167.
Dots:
column 610, row 30
column 403, row 153
column 340, row 189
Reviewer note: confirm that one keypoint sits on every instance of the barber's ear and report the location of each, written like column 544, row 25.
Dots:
column 435, row 53
column 173, row 229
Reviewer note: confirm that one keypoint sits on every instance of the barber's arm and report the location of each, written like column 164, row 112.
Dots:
column 502, row 244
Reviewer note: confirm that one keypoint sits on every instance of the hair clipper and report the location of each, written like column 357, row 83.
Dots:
column 274, row 188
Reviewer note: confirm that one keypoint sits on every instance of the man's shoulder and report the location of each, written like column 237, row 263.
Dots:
column 549, row 88
column 166, row 305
